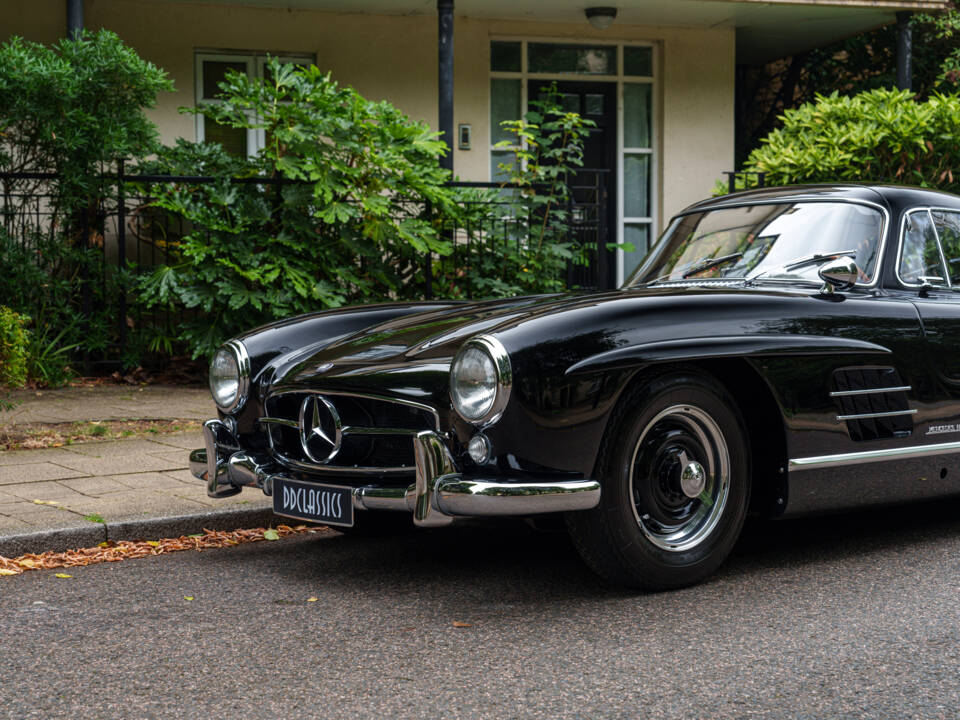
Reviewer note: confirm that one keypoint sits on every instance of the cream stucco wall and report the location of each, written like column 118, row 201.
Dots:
column 395, row 58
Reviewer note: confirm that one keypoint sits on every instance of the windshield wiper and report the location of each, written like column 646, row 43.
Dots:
column 816, row 258
column 711, row 263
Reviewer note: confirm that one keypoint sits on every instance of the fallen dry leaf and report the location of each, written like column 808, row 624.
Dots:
column 62, row 575
column 270, row 534
column 188, row 597
column 311, row 599
column 45, row 502
column 112, row 551
column 153, row 543
column 457, row 623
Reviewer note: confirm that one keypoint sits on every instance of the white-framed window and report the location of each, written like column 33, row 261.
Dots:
column 210, row 68
column 632, row 67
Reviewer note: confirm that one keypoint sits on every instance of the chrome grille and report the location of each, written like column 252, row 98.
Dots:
column 374, row 432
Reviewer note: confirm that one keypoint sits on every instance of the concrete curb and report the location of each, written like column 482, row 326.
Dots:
column 147, row 528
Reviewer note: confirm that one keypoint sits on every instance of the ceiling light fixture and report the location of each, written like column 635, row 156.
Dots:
column 600, row 17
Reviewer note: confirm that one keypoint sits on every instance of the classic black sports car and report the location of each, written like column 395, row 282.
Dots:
column 779, row 351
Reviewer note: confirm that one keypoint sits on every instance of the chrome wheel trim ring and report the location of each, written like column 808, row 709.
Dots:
column 694, row 530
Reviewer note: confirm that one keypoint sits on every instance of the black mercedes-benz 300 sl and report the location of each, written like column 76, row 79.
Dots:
column 781, row 351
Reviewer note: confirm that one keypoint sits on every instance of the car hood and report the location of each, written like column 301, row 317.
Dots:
column 408, row 344
column 409, row 349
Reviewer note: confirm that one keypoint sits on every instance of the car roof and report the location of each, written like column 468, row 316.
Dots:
column 890, row 196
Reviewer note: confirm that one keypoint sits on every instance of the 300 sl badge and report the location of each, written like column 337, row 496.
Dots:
column 941, row 429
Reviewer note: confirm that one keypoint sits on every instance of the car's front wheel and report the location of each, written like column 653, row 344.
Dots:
column 674, row 468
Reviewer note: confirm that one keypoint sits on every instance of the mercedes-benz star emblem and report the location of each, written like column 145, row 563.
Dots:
column 320, row 429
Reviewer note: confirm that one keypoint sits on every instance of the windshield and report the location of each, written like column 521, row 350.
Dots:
column 764, row 240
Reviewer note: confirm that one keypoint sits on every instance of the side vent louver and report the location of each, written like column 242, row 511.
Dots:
column 872, row 401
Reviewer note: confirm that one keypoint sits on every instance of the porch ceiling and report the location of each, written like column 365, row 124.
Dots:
column 766, row 29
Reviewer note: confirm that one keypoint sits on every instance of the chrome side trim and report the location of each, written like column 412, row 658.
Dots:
column 868, row 456
column 871, row 391
column 866, row 416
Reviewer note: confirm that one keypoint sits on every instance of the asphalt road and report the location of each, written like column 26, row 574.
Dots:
column 847, row 616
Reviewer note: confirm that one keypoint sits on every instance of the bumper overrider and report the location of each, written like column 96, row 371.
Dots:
column 439, row 494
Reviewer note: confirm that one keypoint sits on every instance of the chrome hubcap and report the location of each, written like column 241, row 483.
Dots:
column 693, row 478
column 679, row 478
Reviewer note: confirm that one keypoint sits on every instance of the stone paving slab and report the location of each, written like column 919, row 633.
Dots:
column 135, row 487
column 110, row 402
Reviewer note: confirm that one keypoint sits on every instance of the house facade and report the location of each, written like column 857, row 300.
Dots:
column 659, row 79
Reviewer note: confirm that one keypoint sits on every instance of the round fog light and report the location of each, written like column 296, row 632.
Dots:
column 479, row 449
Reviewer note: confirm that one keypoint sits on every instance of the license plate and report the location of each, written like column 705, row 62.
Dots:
column 325, row 504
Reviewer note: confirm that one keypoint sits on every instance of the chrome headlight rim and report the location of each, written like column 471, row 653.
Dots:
column 504, row 378
column 242, row 359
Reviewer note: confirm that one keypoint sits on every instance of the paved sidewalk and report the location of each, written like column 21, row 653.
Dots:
column 109, row 402
column 75, row 496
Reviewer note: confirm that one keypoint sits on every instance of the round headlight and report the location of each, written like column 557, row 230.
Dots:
column 229, row 376
column 480, row 380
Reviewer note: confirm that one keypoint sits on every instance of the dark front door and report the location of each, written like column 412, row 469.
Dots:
column 595, row 208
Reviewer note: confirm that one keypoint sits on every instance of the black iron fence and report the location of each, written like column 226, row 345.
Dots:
column 96, row 253
column 738, row 180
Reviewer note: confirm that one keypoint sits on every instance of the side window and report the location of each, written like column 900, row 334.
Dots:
column 947, row 224
column 920, row 260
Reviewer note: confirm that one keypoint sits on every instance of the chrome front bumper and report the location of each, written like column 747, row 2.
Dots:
column 439, row 493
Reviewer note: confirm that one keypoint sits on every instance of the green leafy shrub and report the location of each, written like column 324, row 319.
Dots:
column 14, row 340
column 876, row 136
column 73, row 109
column 531, row 254
column 345, row 225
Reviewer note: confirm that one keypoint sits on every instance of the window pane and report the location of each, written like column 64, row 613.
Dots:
column 594, row 104
column 505, row 56
column 501, row 157
column 948, row 227
column 638, row 61
column 214, row 72
column 920, row 256
column 636, row 115
column 636, row 185
column 639, row 237
column 505, row 100
column 234, row 140
column 580, row 59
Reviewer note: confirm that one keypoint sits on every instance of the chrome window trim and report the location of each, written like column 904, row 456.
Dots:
column 347, row 430
column 884, row 229
column 902, row 236
column 867, row 416
column 501, row 362
column 870, row 391
column 243, row 375
column 868, row 456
